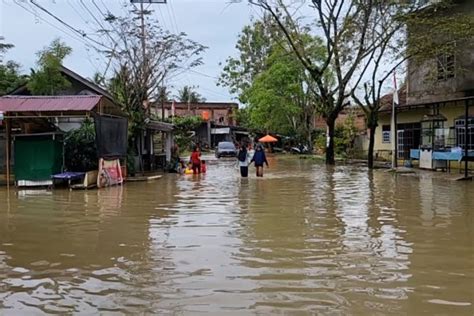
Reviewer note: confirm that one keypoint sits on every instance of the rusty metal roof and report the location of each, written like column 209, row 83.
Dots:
column 16, row 103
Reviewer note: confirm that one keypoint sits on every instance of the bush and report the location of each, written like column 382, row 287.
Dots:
column 183, row 128
column 344, row 137
column 80, row 150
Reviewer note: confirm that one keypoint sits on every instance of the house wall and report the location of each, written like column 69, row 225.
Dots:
column 423, row 84
column 451, row 111
column 359, row 121
column 221, row 116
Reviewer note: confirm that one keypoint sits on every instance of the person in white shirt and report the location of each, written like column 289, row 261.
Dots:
column 243, row 157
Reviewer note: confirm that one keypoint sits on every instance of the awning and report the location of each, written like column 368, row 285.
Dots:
column 22, row 104
column 220, row 131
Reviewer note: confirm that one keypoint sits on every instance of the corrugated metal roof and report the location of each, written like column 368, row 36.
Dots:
column 18, row 104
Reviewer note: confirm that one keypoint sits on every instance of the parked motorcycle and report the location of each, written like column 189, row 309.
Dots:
column 300, row 150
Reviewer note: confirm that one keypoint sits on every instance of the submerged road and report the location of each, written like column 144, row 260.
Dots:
column 305, row 239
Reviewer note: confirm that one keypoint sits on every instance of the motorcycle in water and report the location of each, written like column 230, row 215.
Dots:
column 300, row 150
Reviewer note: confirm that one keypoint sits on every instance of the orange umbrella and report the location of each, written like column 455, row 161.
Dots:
column 268, row 139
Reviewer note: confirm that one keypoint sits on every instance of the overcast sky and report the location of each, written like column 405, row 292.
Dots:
column 213, row 23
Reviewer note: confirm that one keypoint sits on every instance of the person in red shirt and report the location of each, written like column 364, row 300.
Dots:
column 196, row 160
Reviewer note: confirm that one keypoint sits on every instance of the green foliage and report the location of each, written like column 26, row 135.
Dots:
column 183, row 128
column 80, row 148
column 344, row 138
column 255, row 45
column 10, row 77
column 274, row 94
column 243, row 117
column 47, row 79
column 270, row 79
column 187, row 94
column 129, row 97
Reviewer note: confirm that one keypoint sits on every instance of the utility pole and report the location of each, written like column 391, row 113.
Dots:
column 393, row 129
column 145, row 74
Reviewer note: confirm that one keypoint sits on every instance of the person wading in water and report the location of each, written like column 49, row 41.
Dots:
column 243, row 157
column 259, row 159
column 196, row 160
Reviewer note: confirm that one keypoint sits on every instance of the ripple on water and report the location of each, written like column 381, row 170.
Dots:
column 305, row 239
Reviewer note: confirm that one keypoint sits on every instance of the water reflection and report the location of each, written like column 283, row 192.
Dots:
column 304, row 239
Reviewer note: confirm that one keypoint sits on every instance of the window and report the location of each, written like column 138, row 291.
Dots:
column 460, row 133
column 385, row 133
column 446, row 63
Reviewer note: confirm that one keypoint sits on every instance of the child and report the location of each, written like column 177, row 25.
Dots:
column 203, row 166
column 189, row 168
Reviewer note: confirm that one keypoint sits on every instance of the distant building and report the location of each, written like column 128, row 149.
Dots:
column 357, row 114
column 220, row 113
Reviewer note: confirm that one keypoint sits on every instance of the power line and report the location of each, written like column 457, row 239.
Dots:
column 174, row 16
column 172, row 19
column 82, row 33
column 97, row 7
column 162, row 18
column 79, row 14
column 73, row 36
column 199, row 73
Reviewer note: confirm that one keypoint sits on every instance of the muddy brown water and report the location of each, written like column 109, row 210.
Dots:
column 305, row 239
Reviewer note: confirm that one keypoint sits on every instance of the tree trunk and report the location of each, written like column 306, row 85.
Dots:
column 331, row 122
column 370, row 155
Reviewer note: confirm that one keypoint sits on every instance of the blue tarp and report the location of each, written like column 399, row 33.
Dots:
column 442, row 155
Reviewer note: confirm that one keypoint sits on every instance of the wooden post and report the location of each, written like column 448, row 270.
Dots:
column 7, row 149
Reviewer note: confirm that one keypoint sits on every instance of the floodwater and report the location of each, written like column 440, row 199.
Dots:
column 305, row 239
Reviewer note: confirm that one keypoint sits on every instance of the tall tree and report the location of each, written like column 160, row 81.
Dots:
column 346, row 27
column 149, row 53
column 142, row 55
column 47, row 79
column 281, row 98
column 255, row 44
column 266, row 75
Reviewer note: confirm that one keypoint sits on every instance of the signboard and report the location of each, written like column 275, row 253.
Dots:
column 110, row 173
column 220, row 131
